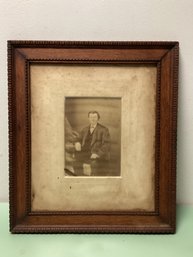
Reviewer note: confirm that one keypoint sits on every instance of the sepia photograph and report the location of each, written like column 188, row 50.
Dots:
column 92, row 136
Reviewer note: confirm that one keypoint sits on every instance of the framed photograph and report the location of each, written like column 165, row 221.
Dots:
column 92, row 136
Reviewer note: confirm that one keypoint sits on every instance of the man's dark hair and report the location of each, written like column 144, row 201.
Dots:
column 93, row 112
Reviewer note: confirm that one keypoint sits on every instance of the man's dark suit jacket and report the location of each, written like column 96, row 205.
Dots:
column 100, row 143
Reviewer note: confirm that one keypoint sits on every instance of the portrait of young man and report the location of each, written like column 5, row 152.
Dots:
column 88, row 146
column 93, row 147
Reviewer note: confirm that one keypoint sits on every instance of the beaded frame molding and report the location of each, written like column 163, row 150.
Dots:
column 21, row 54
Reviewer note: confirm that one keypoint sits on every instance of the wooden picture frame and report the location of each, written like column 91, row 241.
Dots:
column 87, row 64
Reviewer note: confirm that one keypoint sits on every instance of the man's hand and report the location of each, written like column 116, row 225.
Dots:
column 77, row 146
column 94, row 156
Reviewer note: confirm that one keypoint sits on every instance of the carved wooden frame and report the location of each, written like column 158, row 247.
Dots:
column 165, row 56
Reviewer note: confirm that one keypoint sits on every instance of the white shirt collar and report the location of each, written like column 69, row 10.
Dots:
column 93, row 126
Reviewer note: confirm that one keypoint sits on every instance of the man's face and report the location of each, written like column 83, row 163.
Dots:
column 93, row 118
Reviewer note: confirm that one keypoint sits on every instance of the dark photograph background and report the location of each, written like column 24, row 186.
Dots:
column 76, row 118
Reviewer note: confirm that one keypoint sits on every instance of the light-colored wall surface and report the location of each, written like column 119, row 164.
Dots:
column 105, row 20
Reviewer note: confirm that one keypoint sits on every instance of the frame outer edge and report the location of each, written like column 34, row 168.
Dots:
column 90, row 230
column 93, row 44
column 174, row 130
column 174, row 46
column 11, row 106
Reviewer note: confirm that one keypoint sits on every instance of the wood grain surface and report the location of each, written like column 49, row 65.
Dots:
column 21, row 54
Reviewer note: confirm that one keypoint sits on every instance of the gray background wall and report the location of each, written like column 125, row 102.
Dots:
column 105, row 20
